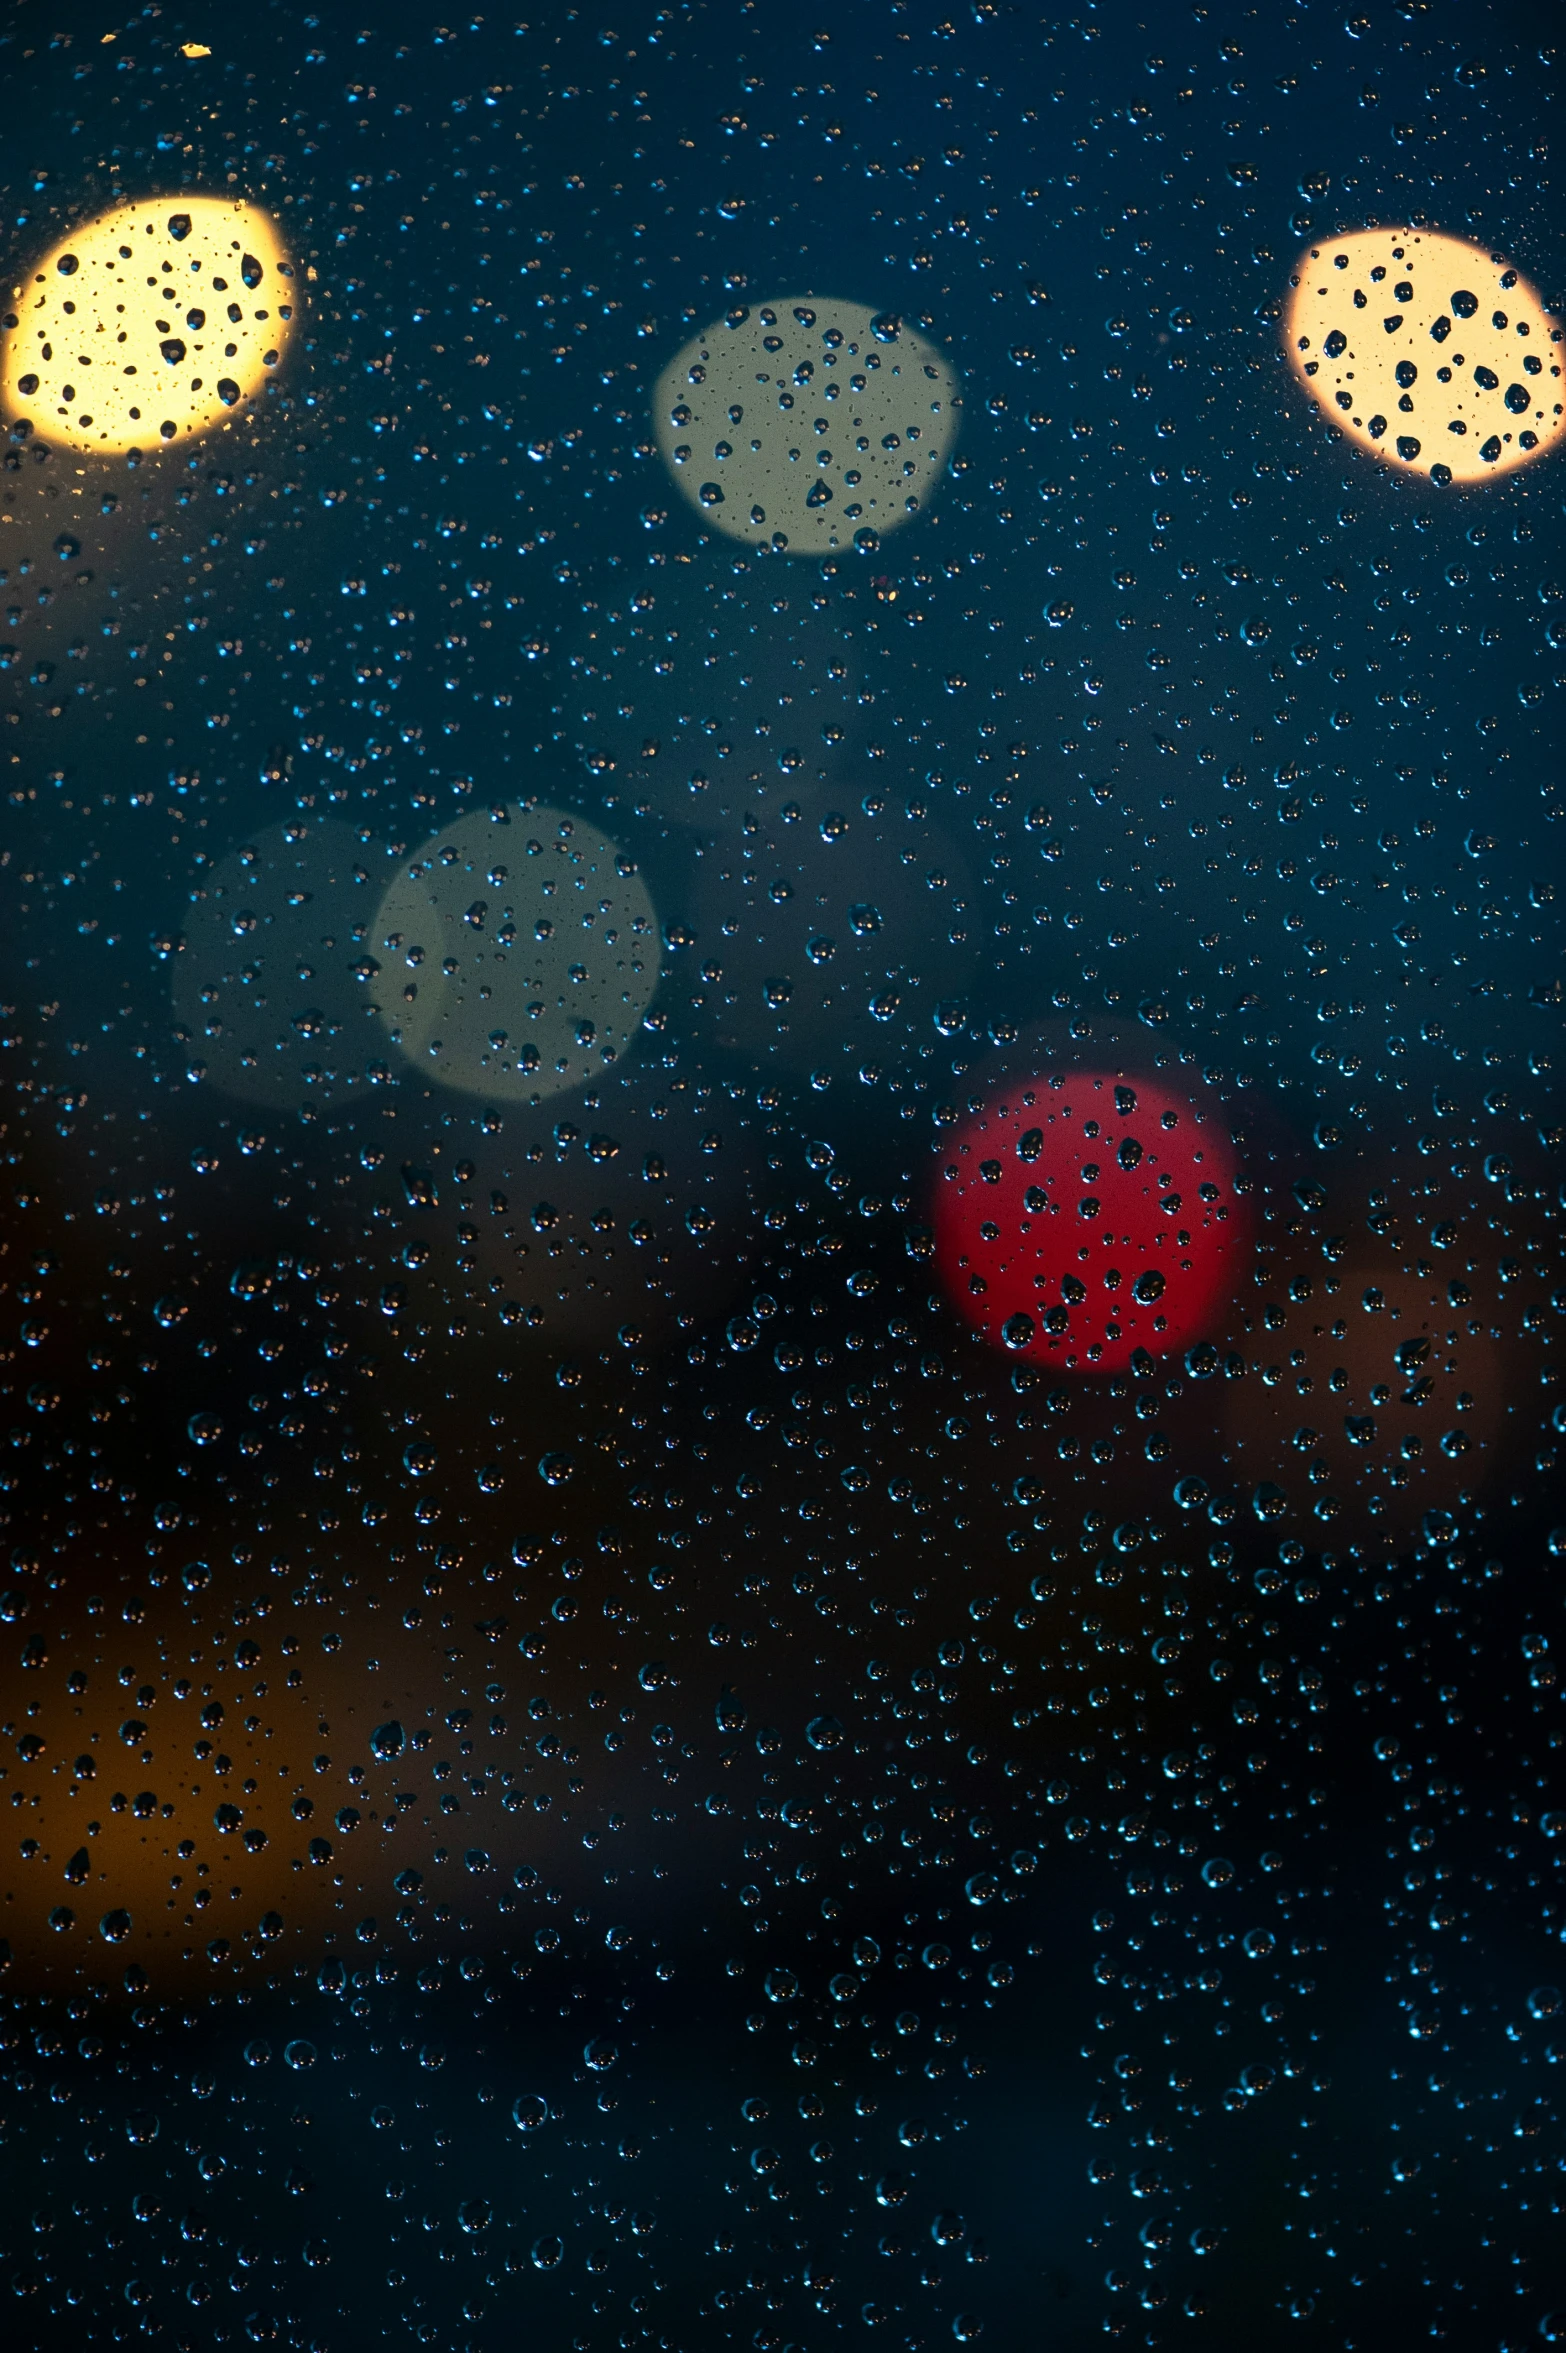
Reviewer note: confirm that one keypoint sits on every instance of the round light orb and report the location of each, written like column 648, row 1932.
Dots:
column 270, row 985
column 518, row 952
column 1427, row 351
column 807, row 425
column 1083, row 1215
column 154, row 323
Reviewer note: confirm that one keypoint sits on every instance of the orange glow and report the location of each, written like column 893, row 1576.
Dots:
column 1371, row 1406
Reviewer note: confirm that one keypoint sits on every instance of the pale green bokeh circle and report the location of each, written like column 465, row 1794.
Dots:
column 516, row 958
column 803, row 423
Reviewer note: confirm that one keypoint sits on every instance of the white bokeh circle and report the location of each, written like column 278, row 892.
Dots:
column 807, row 424
column 517, row 954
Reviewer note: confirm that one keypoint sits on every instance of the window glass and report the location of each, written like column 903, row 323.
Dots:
column 782, row 996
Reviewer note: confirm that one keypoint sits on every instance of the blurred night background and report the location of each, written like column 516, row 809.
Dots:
column 587, row 1757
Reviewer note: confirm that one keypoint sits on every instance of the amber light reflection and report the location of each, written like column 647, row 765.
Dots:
column 248, row 1749
column 1379, row 1392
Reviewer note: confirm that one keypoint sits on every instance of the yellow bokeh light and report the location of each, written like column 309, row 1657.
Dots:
column 807, row 424
column 1427, row 351
column 154, row 323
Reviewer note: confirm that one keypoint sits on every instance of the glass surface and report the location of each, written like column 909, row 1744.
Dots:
column 782, row 984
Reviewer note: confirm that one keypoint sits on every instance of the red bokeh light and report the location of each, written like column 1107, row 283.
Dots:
column 1023, row 1255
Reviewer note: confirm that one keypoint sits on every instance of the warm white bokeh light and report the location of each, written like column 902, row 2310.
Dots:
column 804, row 424
column 1426, row 351
column 517, row 958
column 154, row 323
